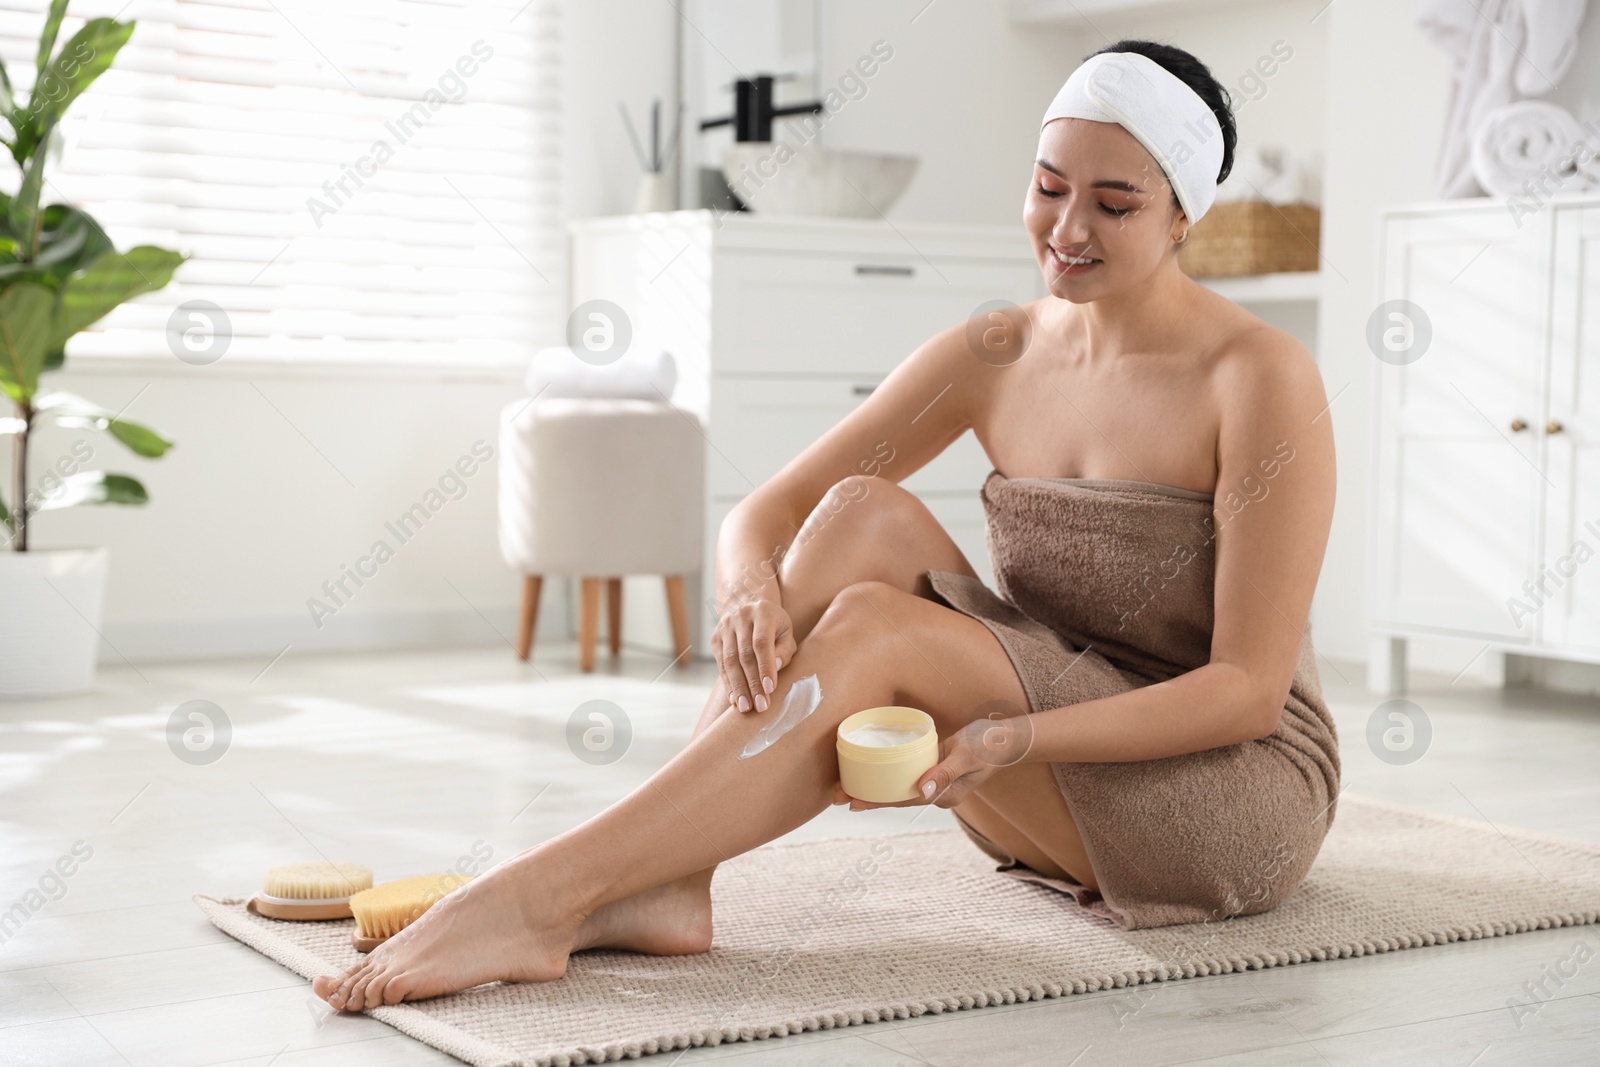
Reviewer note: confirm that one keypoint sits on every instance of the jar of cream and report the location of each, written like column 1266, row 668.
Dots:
column 883, row 751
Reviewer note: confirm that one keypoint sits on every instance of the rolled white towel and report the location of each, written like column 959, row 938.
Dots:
column 1528, row 140
column 641, row 375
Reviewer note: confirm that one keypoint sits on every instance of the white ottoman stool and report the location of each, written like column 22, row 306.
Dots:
column 601, row 488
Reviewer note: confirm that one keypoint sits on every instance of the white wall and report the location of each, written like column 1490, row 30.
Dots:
column 1579, row 91
column 278, row 478
column 614, row 50
column 1378, row 155
column 252, row 512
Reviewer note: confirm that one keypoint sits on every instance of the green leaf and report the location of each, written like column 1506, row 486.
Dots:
column 25, row 328
column 5, row 517
column 10, row 239
column 69, row 240
column 7, row 99
column 68, row 409
column 54, row 359
column 52, row 26
column 23, row 215
column 74, row 68
column 27, row 140
column 111, row 278
column 55, row 145
column 12, row 273
column 93, row 487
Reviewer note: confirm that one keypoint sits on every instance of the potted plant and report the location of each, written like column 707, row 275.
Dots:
column 59, row 273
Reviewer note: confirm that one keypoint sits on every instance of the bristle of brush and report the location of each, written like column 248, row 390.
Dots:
column 385, row 910
column 316, row 881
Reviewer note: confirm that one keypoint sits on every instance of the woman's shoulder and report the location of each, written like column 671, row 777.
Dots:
column 1255, row 362
column 996, row 334
column 967, row 353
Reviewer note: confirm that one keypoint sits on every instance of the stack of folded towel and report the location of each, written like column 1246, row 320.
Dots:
column 643, row 375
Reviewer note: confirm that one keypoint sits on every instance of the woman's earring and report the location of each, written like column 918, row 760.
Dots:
column 1180, row 240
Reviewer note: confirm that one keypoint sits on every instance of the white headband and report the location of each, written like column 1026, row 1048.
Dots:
column 1166, row 116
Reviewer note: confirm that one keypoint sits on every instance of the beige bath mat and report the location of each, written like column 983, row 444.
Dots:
column 855, row 930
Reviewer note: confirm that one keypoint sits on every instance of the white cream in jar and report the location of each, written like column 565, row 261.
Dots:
column 883, row 735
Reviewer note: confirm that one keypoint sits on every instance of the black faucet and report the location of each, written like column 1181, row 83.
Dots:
column 753, row 111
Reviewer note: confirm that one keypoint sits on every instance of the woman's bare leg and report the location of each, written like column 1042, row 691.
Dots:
column 866, row 529
column 519, row 922
column 1020, row 807
column 669, row 920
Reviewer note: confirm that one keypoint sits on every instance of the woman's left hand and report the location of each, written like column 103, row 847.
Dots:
column 966, row 760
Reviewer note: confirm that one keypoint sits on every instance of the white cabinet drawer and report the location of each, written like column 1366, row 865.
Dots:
column 844, row 314
column 759, row 424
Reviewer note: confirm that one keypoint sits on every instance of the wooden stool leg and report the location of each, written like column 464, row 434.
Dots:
column 530, row 614
column 680, row 619
column 588, row 623
column 614, row 613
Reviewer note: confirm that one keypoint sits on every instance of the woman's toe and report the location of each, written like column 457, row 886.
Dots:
column 341, row 997
column 372, row 993
column 359, row 1001
column 395, row 989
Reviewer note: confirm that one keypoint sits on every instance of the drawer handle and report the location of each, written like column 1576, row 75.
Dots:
column 862, row 390
column 1518, row 425
column 1553, row 427
column 886, row 269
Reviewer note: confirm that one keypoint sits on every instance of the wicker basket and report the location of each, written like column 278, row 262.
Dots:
column 1252, row 237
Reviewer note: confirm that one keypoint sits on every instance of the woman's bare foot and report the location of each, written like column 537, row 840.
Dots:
column 500, row 926
column 670, row 920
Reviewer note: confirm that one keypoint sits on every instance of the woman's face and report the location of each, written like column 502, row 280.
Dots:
column 1096, row 193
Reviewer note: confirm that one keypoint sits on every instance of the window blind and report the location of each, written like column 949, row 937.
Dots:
column 352, row 180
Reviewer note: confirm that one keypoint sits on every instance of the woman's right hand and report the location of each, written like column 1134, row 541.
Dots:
column 751, row 642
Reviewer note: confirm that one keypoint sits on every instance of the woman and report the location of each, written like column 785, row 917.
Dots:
column 1137, row 721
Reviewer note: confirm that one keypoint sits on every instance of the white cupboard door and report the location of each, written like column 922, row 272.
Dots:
column 763, row 422
column 1569, row 581
column 1459, row 484
column 789, row 313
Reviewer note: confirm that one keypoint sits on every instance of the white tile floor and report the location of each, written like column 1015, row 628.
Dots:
column 407, row 761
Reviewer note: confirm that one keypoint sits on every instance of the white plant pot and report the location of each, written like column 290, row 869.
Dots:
column 50, row 620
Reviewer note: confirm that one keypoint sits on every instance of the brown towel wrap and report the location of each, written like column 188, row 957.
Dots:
column 1106, row 585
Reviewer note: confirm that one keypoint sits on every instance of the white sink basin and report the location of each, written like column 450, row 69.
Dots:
column 773, row 179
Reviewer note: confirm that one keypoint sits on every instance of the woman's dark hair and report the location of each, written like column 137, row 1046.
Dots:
column 1197, row 76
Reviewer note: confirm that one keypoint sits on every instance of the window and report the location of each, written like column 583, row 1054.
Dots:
column 354, row 180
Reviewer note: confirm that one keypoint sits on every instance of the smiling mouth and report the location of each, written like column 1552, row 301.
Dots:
column 1071, row 261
